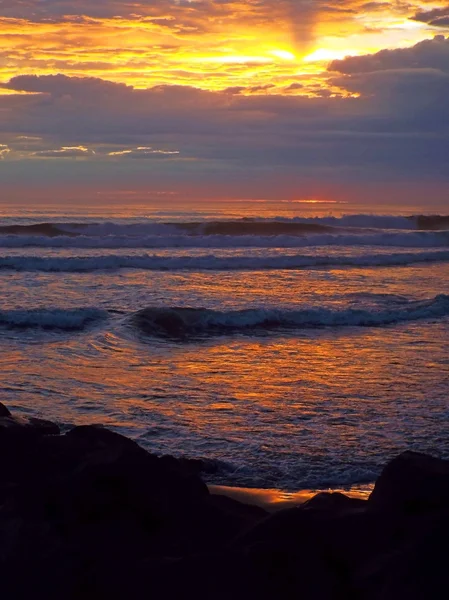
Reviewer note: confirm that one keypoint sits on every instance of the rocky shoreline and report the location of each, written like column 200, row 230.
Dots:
column 91, row 514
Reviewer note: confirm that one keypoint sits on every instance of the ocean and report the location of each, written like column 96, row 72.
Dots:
column 295, row 345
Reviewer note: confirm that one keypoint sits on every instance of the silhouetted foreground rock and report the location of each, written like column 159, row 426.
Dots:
column 90, row 514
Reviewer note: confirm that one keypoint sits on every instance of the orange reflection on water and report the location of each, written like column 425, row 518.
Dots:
column 293, row 405
column 273, row 500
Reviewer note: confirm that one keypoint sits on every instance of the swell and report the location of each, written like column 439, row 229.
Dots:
column 176, row 322
column 43, row 229
column 52, row 318
column 401, row 239
column 55, row 264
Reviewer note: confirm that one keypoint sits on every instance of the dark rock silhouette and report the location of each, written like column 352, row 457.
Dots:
column 91, row 514
column 414, row 482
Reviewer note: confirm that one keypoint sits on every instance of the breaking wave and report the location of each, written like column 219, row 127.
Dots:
column 366, row 221
column 214, row 263
column 180, row 322
column 56, row 318
column 237, row 227
column 185, row 322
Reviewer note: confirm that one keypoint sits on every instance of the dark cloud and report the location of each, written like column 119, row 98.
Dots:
column 438, row 17
column 429, row 54
column 406, row 90
column 61, row 85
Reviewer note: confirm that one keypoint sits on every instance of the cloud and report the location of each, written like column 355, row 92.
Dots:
column 409, row 84
column 215, row 92
column 4, row 151
column 61, row 85
column 64, row 152
column 397, row 130
column 438, row 17
column 210, row 44
column 428, row 54
column 145, row 152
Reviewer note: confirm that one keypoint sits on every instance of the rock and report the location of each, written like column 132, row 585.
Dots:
column 277, row 571
column 421, row 569
column 343, row 535
column 28, row 425
column 200, row 465
column 94, row 513
column 334, row 502
column 43, row 427
column 412, row 483
column 102, row 447
column 414, row 569
column 4, row 412
column 97, row 436
column 9, row 423
column 195, row 466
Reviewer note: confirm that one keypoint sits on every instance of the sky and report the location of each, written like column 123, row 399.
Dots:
column 279, row 99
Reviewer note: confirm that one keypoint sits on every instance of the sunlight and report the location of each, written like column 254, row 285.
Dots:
column 248, row 43
column 326, row 54
column 233, row 59
column 284, row 54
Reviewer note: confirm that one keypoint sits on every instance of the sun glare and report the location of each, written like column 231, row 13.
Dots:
column 284, row 54
column 325, row 54
column 232, row 59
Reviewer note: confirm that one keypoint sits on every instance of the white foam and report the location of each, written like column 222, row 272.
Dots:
column 182, row 321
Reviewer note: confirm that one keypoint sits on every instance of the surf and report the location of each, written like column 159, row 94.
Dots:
column 182, row 322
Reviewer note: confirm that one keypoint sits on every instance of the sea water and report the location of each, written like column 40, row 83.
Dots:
column 297, row 346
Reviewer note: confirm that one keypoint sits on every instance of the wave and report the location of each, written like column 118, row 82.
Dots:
column 55, row 318
column 410, row 239
column 44, row 229
column 278, row 226
column 80, row 264
column 367, row 221
column 234, row 228
column 186, row 322
column 179, row 322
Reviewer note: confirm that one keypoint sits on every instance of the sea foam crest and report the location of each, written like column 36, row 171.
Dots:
column 52, row 318
column 181, row 322
column 214, row 263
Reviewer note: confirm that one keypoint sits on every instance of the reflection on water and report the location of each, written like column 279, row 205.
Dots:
column 299, row 408
column 321, row 409
column 274, row 500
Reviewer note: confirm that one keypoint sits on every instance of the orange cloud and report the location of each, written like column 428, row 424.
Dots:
column 211, row 45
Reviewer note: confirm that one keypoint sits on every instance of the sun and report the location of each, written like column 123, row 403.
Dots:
column 284, row 54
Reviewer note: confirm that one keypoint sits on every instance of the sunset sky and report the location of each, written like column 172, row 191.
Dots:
column 225, row 99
